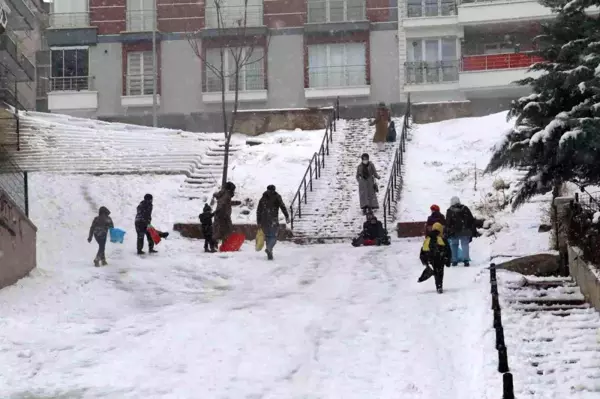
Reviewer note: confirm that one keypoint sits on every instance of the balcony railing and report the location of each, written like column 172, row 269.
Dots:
column 233, row 16
column 139, row 85
column 140, row 20
column 431, row 72
column 71, row 83
column 498, row 61
column 335, row 11
column 70, row 20
column 249, row 81
column 337, row 76
column 431, row 10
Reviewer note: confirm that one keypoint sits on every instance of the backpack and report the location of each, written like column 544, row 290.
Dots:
column 391, row 136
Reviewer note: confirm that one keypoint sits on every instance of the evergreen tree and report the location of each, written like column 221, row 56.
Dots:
column 556, row 137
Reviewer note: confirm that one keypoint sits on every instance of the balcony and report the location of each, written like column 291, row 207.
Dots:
column 429, row 76
column 140, row 20
column 14, row 60
column 70, row 20
column 139, row 90
column 72, row 93
column 428, row 10
column 431, row 15
column 251, row 88
column 337, row 81
column 493, row 11
column 232, row 17
column 497, row 70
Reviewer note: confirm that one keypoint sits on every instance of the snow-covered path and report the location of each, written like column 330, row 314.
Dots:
column 308, row 325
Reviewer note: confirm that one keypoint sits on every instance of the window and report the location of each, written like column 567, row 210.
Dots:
column 335, row 10
column 430, row 8
column 231, row 13
column 498, row 48
column 70, row 69
column 337, row 65
column 432, row 61
column 251, row 73
column 139, row 73
column 69, row 14
column 140, row 15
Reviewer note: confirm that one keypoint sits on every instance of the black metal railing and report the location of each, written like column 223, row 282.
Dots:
column 392, row 192
column 508, row 390
column 14, row 181
column 317, row 162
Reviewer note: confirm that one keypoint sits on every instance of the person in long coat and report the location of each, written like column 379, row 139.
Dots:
column 367, row 188
column 222, row 225
column 381, row 122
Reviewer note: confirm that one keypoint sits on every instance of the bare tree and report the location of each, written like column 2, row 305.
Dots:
column 240, row 53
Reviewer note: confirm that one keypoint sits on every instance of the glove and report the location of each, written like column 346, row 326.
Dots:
column 89, row 239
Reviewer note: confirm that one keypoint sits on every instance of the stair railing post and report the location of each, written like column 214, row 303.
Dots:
column 299, row 204
column 310, row 174
column 317, row 165
column 305, row 193
column 292, row 216
column 26, row 192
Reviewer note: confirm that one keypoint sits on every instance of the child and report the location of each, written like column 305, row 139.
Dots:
column 99, row 229
column 435, row 217
column 436, row 251
column 207, row 229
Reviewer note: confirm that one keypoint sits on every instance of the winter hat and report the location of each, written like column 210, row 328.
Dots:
column 434, row 208
column 207, row 208
column 229, row 186
column 365, row 156
column 148, row 197
column 271, row 187
column 103, row 211
column 454, row 201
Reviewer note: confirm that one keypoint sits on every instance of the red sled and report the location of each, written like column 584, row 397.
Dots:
column 233, row 243
column 367, row 243
column 154, row 234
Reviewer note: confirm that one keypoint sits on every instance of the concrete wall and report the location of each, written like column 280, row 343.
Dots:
column 106, row 65
column 384, row 67
column 431, row 112
column 181, row 83
column 585, row 278
column 286, row 71
column 17, row 242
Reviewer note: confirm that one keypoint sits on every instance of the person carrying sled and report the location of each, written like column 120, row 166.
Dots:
column 373, row 233
column 381, row 122
column 223, row 226
column 267, row 217
column 206, row 220
column 459, row 230
column 143, row 218
column 367, row 188
column 435, row 217
column 99, row 230
column 435, row 252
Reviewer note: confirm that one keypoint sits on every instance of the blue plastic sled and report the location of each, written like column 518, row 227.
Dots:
column 117, row 235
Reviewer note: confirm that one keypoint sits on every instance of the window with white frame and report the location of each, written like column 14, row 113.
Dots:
column 231, row 13
column 430, row 8
column 432, row 60
column 139, row 73
column 70, row 69
column 251, row 69
column 69, row 14
column 320, row 11
column 337, row 65
column 140, row 15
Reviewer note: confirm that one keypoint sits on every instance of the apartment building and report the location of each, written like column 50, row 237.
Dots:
column 308, row 52
column 18, row 44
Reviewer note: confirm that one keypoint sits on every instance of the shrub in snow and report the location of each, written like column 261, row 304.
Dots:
column 596, row 218
column 557, row 128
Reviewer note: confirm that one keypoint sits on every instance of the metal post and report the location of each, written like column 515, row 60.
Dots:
column 154, row 66
column 26, row 192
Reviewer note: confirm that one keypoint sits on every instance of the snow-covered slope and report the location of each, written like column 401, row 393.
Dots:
column 333, row 208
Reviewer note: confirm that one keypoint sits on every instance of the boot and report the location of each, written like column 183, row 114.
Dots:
column 206, row 250
column 153, row 251
column 269, row 254
column 140, row 252
column 454, row 263
column 96, row 262
column 104, row 262
column 440, row 290
column 467, row 264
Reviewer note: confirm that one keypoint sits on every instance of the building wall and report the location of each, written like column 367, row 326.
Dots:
column 286, row 71
column 181, row 78
column 105, row 66
column 385, row 69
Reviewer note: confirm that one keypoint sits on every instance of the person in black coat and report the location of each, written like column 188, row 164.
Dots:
column 459, row 230
column 99, row 230
column 267, row 217
column 373, row 230
column 435, row 252
column 206, row 220
column 143, row 218
column 435, row 217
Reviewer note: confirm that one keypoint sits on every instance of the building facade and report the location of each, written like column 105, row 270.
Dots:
column 300, row 53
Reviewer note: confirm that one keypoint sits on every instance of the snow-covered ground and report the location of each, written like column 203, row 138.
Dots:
column 325, row 321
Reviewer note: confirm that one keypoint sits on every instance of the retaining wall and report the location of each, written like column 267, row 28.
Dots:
column 17, row 242
column 586, row 279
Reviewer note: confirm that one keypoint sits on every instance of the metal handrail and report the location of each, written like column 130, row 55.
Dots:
column 392, row 192
column 317, row 162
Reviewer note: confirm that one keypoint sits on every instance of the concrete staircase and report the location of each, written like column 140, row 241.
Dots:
column 205, row 176
column 333, row 209
column 552, row 337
